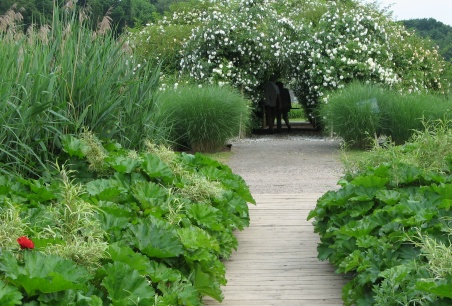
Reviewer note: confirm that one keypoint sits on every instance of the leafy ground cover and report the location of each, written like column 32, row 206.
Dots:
column 388, row 227
column 118, row 226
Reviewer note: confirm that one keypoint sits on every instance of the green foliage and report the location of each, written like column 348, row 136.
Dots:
column 120, row 232
column 125, row 285
column 9, row 295
column 354, row 113
column 428, row 149
column 68, row 78
column 438, row 32
column 203, row 118
column 387, row 227
column 361, row 113
column 40, row 273
column 316, row 46
column 120, row 14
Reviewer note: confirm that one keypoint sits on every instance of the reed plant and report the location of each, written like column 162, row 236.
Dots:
column 202, row 119
column 63, row 78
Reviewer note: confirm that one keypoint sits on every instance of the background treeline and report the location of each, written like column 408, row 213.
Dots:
column 123, row 13
column 438, row 32
column 133, row 13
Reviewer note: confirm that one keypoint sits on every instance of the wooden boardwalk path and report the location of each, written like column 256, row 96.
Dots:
column 276, row 262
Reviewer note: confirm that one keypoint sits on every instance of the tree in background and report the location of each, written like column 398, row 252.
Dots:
column 123, row 13
column 438, row 32
column 32, row 11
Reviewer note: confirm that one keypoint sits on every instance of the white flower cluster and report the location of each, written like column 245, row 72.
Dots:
column 316, row 45
column 242, row 46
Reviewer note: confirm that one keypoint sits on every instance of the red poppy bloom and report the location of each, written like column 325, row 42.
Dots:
column 25, row 243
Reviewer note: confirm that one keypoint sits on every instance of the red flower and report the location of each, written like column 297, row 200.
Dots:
column 25, row 243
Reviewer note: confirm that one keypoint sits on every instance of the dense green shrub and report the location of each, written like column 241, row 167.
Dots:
column 131, row 228
column 361, row 112
column 203, row 118
column 388, row 227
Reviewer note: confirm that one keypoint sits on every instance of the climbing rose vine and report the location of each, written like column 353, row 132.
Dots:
column 313, row 46
column 364, row 44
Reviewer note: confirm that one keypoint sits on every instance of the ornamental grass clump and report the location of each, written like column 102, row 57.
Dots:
column 203, row 118
column 197, row 187
column 354, row 113
column 12, row 225
column 403, row 115
column 76, row 224
column 363, row 114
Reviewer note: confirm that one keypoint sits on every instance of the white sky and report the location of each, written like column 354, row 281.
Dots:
column 441, row 10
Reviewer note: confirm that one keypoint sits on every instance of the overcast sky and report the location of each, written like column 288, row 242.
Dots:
column 441, row 10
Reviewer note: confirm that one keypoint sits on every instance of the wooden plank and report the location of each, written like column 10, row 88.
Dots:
column 276, row 261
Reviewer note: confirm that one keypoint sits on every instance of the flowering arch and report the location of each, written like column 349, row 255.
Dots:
column 315, row 46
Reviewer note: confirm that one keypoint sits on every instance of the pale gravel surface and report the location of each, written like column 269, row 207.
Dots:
column 287, row 163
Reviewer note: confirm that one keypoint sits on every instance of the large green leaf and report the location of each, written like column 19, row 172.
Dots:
column 358, row 228
column 159, row 272
column 9, row 295
column 40, row 192
column 156, row 238
column 204, row 284
column 105, row 190
column 370, row 181
column 441, row 288
column 206, row 215
column 152, row 198
column 122, row 164
column 73, row 146
column 125, row 285
column 156, row 168
column 445, row 190
column 390, row 197
column 194, row 238
column 179, row 293
column 407, row 174
column 45, row 273
column 126, row 255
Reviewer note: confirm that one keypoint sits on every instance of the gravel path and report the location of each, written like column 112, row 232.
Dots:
column 287, row 163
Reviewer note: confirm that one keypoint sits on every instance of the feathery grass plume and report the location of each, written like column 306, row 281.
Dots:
column 104, row 25
column 197, row 188
column 8, row 21
column 437, row 253
column 166, row 155
column 94, row 152
column 12, row 225
column 76, row 223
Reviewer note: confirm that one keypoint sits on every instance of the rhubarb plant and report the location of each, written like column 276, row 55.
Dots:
column 387, row 230
column 115, row 226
